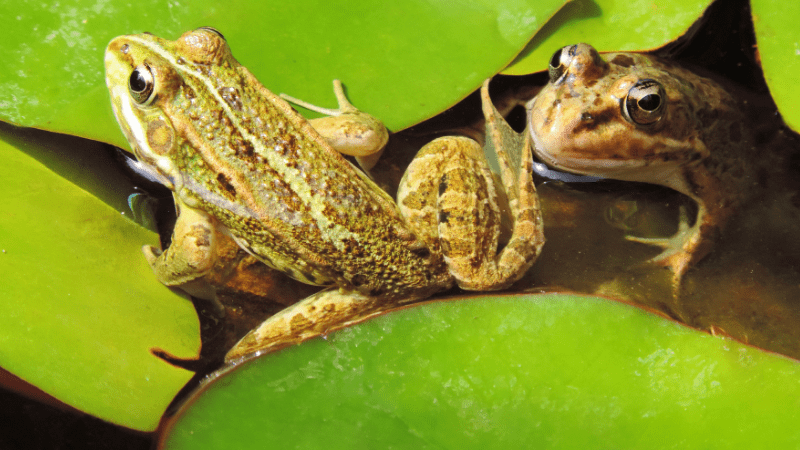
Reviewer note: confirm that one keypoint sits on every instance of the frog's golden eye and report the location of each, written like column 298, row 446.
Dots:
column 212, row 30
column 560, row 61
column 141, row 84
column 644, row 104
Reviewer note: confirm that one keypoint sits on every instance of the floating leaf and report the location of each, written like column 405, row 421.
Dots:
column 81, row 308
column 403, row 61
column 779, row 48
column 609, row 25
column 546, row 371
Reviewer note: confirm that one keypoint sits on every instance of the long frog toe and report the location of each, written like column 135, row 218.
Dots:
column 151, row 254
column 680, row 250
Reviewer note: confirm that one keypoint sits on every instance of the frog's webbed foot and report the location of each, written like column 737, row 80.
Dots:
column 681, row 250
column 348, row 130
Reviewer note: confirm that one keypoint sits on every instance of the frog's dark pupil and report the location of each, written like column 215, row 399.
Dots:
column 555, row 61
column 650, row 102
column 138, row 83
column 556, row 68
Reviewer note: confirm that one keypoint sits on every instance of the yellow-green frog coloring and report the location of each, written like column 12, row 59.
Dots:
column 239, row 159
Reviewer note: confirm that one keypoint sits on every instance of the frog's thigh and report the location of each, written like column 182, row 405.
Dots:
column 450, row 199
column 191, row 253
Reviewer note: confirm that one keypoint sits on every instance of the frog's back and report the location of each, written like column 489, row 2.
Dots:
column 232, row 149
column 290, row 199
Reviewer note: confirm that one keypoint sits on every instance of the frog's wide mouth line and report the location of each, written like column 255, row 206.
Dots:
column 582, row 169
column 543, row 170
column 563, row 168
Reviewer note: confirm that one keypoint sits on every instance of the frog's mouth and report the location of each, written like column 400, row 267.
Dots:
column 545, row 166
column 541, row 169
column 573, row 169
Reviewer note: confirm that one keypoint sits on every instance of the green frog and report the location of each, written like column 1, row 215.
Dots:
column 241, row 162
column 637, row 117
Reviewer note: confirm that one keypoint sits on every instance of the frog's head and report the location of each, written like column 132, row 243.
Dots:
column 146, row 76
column 628, row 117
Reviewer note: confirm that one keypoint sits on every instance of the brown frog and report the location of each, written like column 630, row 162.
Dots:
column 636, row 117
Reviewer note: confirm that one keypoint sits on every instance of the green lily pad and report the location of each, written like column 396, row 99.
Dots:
column 403, row 62
column 779, row 48
column 528, row 371
column 82, row 311
column 609, row 25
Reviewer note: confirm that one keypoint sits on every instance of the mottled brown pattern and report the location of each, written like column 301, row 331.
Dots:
column 591, row 119
column 622, row 60
column 700, row 146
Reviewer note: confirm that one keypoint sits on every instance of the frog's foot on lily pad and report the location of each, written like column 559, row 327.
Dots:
column 681, row 250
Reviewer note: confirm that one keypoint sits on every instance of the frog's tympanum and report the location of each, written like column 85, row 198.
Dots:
column 240, row 160
column 635, row 117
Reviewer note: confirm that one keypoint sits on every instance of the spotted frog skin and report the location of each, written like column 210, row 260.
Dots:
column 242, row 163
column 635, row 117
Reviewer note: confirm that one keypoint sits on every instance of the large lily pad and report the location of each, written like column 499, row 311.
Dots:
column 609, row 25
column 402, row 61
column 550, row 371
column 81, row 310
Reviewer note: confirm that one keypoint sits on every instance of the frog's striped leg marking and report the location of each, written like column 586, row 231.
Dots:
column 515, row 157
column 449, row 197
column 319, row 314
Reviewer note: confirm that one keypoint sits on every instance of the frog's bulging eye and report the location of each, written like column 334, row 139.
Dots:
column 141, row 84
column 212, row 30
column 559, row 62
column 644, row 104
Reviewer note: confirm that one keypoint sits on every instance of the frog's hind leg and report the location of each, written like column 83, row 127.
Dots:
column 319, row 314
column 450, row 198
column 515, row 161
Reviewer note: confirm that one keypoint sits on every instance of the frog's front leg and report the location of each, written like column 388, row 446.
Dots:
column 692, row 241
column 348, row 130
column 449, row 197
column 191, row 255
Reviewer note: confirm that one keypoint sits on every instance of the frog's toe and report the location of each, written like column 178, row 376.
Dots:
column 679, row 250
column 151, row 254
